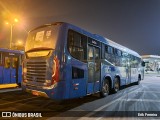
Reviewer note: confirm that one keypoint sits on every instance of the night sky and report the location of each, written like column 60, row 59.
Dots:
column 132, row 23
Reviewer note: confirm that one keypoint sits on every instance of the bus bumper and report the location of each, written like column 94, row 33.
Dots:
column 37, row 93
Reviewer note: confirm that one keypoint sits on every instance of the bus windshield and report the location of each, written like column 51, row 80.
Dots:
column 45, row 37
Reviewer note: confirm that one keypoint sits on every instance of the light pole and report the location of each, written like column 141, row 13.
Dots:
column 10, row 44
column 11, row 30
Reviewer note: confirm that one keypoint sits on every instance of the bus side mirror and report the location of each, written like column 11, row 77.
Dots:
column 143, row 63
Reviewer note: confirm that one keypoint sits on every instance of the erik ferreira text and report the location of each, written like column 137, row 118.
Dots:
column 147, row 115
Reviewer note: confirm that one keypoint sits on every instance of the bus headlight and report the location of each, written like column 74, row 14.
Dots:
column 24, row 70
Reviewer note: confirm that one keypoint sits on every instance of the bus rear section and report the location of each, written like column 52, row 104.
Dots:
column 10, row 68
column 53, row 68
column 41, row 67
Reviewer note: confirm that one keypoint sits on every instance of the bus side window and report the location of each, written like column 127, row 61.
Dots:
column 124, row 59
column 109, row 54
column 90, row 53
column 118, row 55
column 14, row 62
column 132, row 61
column 77, row 45
column 77, row 73
column 7, row 62
column 97, row 54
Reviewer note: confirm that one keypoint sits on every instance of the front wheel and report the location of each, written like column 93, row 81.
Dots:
column 105, row 89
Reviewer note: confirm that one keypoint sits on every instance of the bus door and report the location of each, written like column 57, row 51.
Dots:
column 94, row 66
column 14, row 69
column 134, row 69
column 10, row 69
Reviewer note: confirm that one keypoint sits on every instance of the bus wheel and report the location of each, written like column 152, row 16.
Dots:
column 105, row 89
column 116, row 85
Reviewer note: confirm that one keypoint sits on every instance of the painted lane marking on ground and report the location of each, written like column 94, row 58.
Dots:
column 152, row 82
column 10, row 90
column 140, row 100
column 149, row 91
column 18, row 101
column 108, row 104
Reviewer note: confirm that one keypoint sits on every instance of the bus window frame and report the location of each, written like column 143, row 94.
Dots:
column 16, row 55
column 15, row 65
column 84, row 47
column 111, row 57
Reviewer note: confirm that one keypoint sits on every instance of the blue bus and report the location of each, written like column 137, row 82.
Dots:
column 10, row 67
column 63, row 61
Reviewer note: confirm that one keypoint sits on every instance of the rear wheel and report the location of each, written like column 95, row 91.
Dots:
column 116, row 85
column 105, row 89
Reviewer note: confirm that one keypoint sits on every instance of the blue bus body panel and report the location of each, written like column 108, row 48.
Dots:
column 96, row 86
column 77, row 85
column 106, row 72
column 19, row 74
column 13, row 75
column 78, row 88
column 59, row 91
column 9, row 75
column 90, row 88
column 6, row 76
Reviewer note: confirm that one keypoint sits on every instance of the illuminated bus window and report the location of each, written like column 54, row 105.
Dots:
column 7, row 62
column 14, row 62
column 38, row 54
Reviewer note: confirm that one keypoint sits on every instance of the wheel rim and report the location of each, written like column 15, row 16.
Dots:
column 116, row 86
column 105, row 88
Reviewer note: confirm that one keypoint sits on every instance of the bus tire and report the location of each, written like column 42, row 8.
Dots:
column 105, row 88
column 116, row 85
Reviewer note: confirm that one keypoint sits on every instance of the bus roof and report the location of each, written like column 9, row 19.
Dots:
column 150, row 56
column 94, row 36
column 123, row 48
column 11, row 51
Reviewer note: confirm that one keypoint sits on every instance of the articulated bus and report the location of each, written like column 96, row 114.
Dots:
column 63, row 61
column 10, row 68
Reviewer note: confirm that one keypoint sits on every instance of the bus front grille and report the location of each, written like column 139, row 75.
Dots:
column 36, row 72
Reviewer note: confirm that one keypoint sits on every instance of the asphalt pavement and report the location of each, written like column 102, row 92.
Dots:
column 131, row 102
